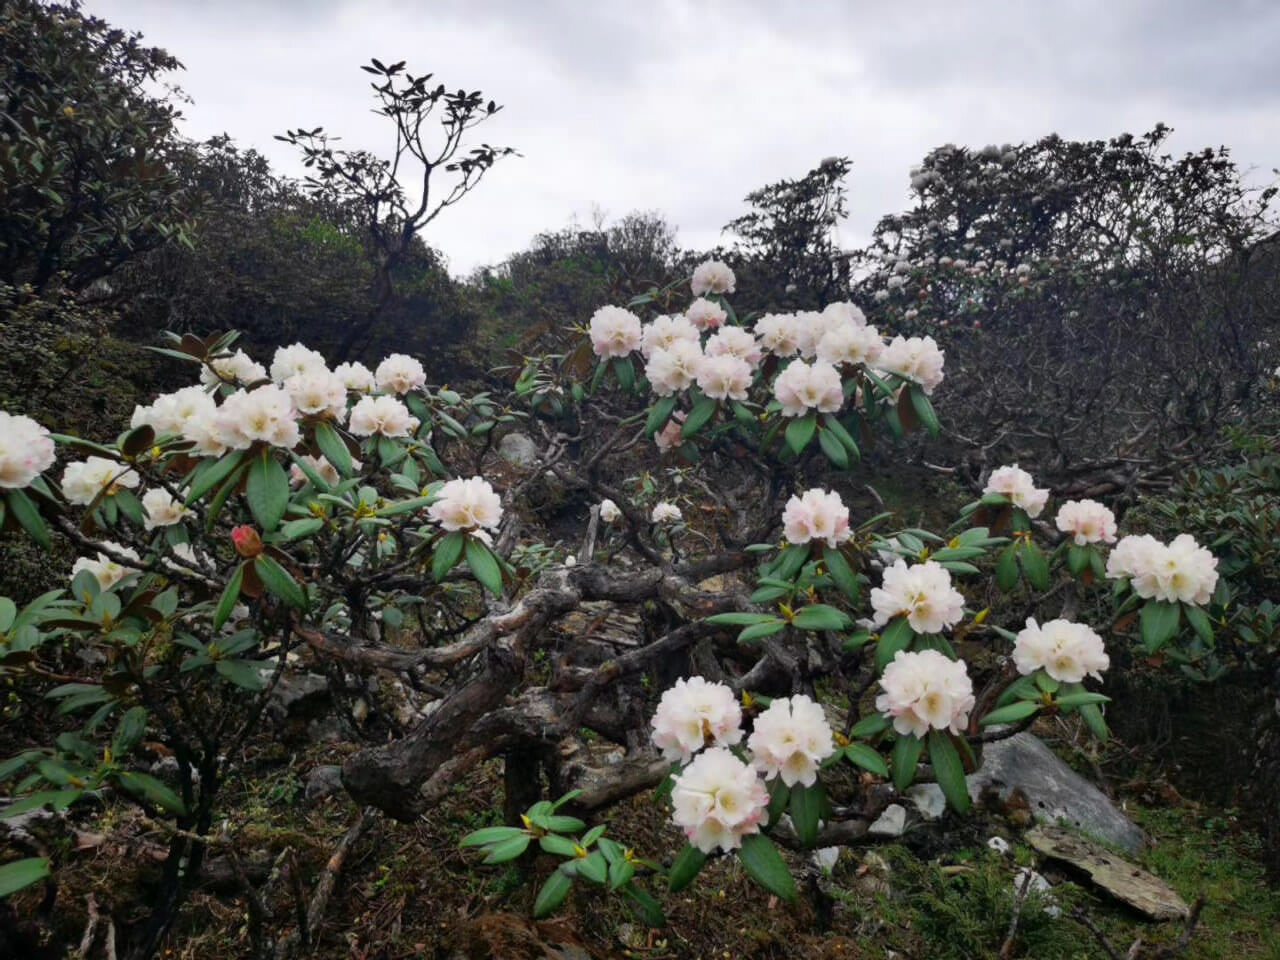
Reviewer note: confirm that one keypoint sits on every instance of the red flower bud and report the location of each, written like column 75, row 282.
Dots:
column 246, row 540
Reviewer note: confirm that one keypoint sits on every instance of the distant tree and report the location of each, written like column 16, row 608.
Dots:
column 393, row 200
column 87, row 173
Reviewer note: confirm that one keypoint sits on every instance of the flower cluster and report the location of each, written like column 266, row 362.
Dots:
column 666, row 513
column 802, row 387
column 615, row 332
column 1088, row 521
column 26, row 451
column 923, row 592
column 83, row 482
column 1066, row 651
column 718, row 800
column 105, row 570
column 1019, row 487
column 1181, row 570
column 791, row 739
column 468, row 505
column 693, row 713
column 914, row 358
column 926, row 690
column 382, row 416
column 816, row 515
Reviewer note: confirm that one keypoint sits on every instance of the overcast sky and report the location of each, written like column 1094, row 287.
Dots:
column 684, row 107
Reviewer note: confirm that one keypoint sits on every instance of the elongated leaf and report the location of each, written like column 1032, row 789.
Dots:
column 688, row 862
column 761, row 859
column 626, row 373
column 1034, row 566
column 620, row 873
column 843, row 435
column 153, row 791
column 740, row 619
column 1199, row 621
column 648, row 908
column 948, row 770
column 278, row 581
column 1081, row 699
column 1007, row 568
column 895, row 637
column 788, row 563
column 593, row 868
column 267, row 490
column 806, row 810
column 210, row 473
column 333, row 448
column 129, row 731
column 243, row 673
column 552, row 894
column 485, row 566
column 819, row 616
column 906, row 756
column 1018, row 710
column 702, row 411
column 841, row 573
column 833, row 449
column 1159, row 624
column 800, row 431
column 1093, row 718
column 21, row 874
column 659, row 414
column 8, row 613
column 557, row 845
column 448, row 551
column 297, row 529
column 488, row 835
column 762, row 630
column 924, row 409
column 867, row 759
column 227, row 602
column 870, row 725
column 25, row 512
column 505, row 850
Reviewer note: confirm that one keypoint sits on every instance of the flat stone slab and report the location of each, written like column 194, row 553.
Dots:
column 1125, row 881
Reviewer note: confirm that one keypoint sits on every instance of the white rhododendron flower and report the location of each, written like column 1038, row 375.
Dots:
column 1088, row 521
column 356, row 377
column 399, row 373
column 26, row 451
column 202, row 430
column 321, row 465
column 670, row 436
column 694, row 713
column 847, row 344
column 609, row 511
column 1018, row 486
column 1066, row 651
column 83, row 481
column 803, row 387
column 923, row 592
column 917, row 358
column 845, row 314
column 791, row 739
column 816, row 515
column 467, row 505
column 724, row 377
column 706, row 314
column 672, row 370
column 104, row 569
column 385, row 416
column 169, row 412
column 1180, row 571
column 813, row 326
column 318, row 394
column 925, row 690
column 717, row 800
column 780, row 333
column 163, row 508
column 615, row 332
column 237, row 368
column 712, row 277
column 734, row 342
column 263, row 415
column 665, row 331
column 666, row 512
column 294, row 360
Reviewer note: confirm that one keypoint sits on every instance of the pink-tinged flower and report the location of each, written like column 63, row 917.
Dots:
column 802, row 387
column 615, row 332
column 247, row 541
column 917, row 359
column 923, row 592
column 1066, row 651
column 724, row 377
column 663, row 333
column 712, row 277
column 83, row 481
column 318, row 394
column 780, row 333
column 1088, row 521
column 671, row 370
column 399, row 373
column 1019, row 487
column 669, row 437
column 816, row 515
column 169, row 412
column 694, row 713
column 925, row 690
column 666, row 513
column 734, row 342
column 706, row 314
column 467, row 505
column 264, row 415
column 356, row 377
column 717, row 800
column 321, row 465
column 106, row 571
column 385, row 416
column 295, row 360
column 26, row 451
column 847, row 345
column 791, row 739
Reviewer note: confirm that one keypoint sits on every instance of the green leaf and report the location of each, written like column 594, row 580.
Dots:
column 1077, row 559
column 26, row 513
column 620, row 873
column 227, row 602
column 153, row 791
column 646, row 906
column 505, row 850
column 243, row 673
column 948, row 770
column 278, row 581
column 1199, row 621
column 895, row 637
column 688, row 862
column 129, row 731
column 924, row 409
column 210, row 473
column 806, row 809
column 8, row 613
column 626, row 373
column 1007, row 568
column 57, row 799
column 267, row 490
column 867, row 759
column 819, row 616
column 557, row 845
column 448, row 552
column 702, row 411
column 766, row 866
column 297, row 529
column 1035, row 566
column 1018, row 710
column 593, row 867
column 800, row 431
column 762, row 630
column 552, row 893
column 1081, row 699
column 564, row 824
column 333, row 448
column 870, row 725
column 1094, row 720
column 740, row 619
column 1159, row 624
column 843, row 435
column 833, row 449
column 488, row 835
column 906, row 756
column 841, row 573
column 21, row 874
column 659, row 414
column 485, row 566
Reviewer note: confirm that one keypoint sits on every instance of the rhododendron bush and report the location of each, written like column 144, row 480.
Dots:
column 277, row 514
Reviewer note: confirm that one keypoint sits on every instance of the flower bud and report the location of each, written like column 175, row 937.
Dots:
column 247, row 542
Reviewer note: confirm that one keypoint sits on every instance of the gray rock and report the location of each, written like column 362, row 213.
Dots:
column 518, row 449
column 1056, row 793
column 928, row 799
column 323, row 782
column 296, row 690
column 891, row 823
